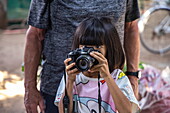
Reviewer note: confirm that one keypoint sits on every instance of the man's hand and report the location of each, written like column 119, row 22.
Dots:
column 32, row 100
column 134, row 83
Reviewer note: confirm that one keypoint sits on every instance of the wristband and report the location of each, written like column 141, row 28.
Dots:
column 136, row 74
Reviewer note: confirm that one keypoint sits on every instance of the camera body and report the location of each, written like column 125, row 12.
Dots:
column 82, row 58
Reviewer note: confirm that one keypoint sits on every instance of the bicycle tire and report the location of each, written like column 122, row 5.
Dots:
column 145, row 21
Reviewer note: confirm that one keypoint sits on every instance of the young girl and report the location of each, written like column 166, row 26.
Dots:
column 82, row 87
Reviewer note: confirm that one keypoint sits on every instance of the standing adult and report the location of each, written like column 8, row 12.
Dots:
column 52, row 24
column 3, row 14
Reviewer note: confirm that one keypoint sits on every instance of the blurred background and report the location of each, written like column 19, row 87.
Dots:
column 13, row 16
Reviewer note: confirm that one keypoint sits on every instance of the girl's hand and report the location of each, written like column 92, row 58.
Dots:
column 71, row 73
column 102, row 67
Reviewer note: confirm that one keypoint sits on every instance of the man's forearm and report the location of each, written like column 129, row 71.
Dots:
column 32, row 97
column 32, row 55
column 132, row 46
column 132, row 51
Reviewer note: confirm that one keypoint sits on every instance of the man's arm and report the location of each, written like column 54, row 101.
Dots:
column 33, row 48
column 132, row 51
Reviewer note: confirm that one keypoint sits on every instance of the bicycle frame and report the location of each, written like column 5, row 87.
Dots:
column 146, row 16
column 163, row 27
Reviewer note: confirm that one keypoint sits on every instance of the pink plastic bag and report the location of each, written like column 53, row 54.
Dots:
column 154, row 90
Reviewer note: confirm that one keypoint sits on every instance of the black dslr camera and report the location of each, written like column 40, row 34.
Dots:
column 82, row 58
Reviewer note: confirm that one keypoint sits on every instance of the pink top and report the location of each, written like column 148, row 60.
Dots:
column 85, row 93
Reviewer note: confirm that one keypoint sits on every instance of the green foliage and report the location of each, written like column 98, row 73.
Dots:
column 17, row 9
column 22, row 67
column 140, row 66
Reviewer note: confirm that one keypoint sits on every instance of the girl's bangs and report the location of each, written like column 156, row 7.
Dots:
column 91, row 40
column 91, row 32
column 94, row 35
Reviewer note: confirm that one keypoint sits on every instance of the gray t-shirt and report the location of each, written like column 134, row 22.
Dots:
column 60, row 18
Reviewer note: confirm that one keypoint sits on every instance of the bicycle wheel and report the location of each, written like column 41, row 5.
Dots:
column 154, row 29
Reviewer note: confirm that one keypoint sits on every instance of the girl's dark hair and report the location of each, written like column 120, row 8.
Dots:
column 101, row 31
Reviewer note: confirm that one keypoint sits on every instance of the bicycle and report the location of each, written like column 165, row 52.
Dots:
column 154, row 27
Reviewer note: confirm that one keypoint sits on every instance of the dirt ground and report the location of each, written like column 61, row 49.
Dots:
column 11, row 77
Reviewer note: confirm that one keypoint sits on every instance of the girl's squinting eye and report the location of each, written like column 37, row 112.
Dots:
column 98, row 46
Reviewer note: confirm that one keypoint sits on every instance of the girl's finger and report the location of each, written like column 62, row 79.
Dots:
column 66, row 61
column 98, row 58
column 73, row 71
column 98, row 54
column 68, row 67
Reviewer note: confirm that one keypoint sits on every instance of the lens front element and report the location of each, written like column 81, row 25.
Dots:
column 84, row 62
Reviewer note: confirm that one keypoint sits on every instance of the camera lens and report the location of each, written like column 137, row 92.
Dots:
column 84, row 62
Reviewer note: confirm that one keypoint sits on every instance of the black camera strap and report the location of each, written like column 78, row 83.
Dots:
column 65, row 99
column 99, row 95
